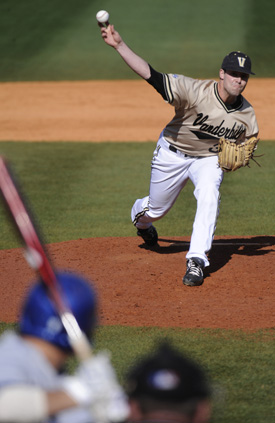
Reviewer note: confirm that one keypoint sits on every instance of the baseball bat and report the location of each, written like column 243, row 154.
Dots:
column 35, row 254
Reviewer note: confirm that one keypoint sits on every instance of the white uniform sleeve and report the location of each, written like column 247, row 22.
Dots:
column 23, row 404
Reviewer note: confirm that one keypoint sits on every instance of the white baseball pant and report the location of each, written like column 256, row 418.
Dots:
column 170, row 172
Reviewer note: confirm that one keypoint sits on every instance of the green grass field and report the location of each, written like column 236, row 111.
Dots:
column 60, row 39
column 96, row 184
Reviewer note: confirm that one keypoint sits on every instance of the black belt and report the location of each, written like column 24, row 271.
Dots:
column 175, row 150
column 172, row 148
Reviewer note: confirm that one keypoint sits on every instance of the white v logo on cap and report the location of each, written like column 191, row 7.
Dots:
column 241, row 61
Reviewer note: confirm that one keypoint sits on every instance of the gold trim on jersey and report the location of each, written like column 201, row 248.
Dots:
column 229, row 109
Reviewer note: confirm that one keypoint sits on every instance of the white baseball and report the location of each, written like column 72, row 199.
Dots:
column 102, row 16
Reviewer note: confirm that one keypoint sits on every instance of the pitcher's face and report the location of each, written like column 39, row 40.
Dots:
column 233, row 82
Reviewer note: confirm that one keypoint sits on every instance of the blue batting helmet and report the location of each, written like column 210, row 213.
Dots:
column 39, row 317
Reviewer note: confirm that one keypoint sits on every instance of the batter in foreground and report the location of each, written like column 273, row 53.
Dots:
column 187, row 148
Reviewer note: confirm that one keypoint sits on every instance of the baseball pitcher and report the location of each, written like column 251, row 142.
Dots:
column 189, row 147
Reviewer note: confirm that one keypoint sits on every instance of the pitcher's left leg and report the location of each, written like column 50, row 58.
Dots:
column 207, row 178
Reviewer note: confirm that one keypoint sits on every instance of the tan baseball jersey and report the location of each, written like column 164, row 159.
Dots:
column 201, row 117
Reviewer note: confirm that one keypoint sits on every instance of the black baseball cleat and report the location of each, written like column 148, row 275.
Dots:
column 149, row 236
column 194, row 272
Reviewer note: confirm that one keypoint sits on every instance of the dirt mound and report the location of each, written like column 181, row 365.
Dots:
column 142, row 287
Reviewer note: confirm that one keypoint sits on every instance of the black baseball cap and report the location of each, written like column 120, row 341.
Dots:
column 167, row 375
column 237, row 61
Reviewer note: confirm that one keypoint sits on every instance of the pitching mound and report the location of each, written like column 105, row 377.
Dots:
column 142, row 287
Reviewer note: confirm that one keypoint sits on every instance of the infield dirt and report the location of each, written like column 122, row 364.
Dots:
column 103, row 110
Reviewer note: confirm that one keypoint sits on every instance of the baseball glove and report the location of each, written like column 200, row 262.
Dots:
column 233, row 155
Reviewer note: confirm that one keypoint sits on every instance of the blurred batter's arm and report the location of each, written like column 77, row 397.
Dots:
column 31, row 403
